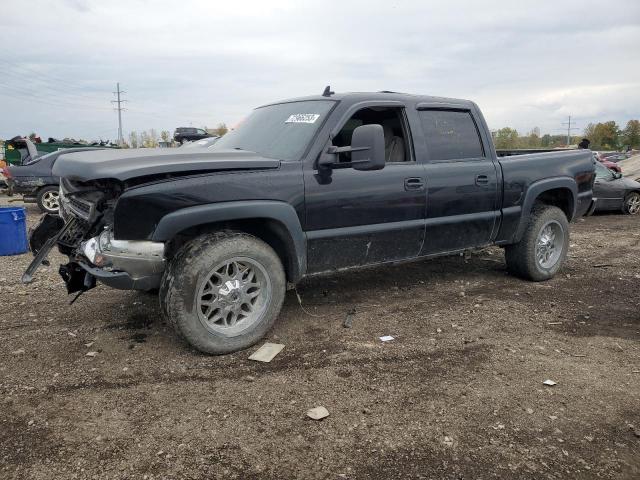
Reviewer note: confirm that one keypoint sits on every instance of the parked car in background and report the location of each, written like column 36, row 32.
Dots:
column 612, row 191
column 612, row 156
column 204, row 143
column 610, row 165
column 35, row 180
column 189, row 134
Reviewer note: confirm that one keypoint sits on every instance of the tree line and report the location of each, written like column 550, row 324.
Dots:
column 151, row 138
column 603, row 136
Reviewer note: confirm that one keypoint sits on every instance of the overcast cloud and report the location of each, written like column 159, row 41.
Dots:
column 199, row 63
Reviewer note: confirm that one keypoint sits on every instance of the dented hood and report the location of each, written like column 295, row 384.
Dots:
column 126, row 164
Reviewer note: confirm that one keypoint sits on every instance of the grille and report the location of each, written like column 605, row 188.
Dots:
column 70, row 204
column 75, row 233
column 80, row 207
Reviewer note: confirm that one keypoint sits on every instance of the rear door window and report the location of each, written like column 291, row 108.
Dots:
column 451, row 135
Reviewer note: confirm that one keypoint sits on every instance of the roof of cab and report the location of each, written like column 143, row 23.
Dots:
column 355, row 97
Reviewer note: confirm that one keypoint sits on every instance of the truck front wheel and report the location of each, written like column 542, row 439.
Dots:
column 543, row 248
column 223, row 292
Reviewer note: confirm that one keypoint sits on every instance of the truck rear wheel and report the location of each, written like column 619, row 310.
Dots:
column 223, row 292
column 543, row 248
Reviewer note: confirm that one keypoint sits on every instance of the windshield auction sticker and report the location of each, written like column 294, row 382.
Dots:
column 303, row 118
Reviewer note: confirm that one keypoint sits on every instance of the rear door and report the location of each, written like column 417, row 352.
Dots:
column 462, row 180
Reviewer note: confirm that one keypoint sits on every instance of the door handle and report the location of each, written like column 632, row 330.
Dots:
column 413, row 183
column 482, row 179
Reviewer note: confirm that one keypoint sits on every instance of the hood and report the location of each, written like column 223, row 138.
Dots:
column 126, row 164
column 629, row 184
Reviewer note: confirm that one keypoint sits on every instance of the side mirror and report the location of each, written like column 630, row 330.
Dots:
column 367, row 151
column 367, row 147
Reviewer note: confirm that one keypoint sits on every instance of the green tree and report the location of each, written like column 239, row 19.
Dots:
column 165, row 136
column 631, row 134
column 506, row 138
column 133, row 139
column 603, row 135
column 221, row 129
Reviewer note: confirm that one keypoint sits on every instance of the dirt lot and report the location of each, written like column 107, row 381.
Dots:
column 457, row 394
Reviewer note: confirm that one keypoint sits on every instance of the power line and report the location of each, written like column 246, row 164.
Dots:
column 569, row 128
column 23, row 94
column 119, row 102
column 31, row 72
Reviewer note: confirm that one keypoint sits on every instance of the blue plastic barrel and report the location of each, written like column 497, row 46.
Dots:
column 13, row 231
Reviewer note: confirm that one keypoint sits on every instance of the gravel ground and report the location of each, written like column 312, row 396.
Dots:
column 458, row 394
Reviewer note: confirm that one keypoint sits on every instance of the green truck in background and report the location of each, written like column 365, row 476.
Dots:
column 19, row 149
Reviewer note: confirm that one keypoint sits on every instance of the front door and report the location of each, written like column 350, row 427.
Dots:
column 606, row 191
column 365, row 217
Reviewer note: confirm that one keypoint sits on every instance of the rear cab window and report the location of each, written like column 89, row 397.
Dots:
column 451, row 135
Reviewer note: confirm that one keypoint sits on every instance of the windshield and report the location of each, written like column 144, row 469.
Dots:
column 31, row 161
column 281, row 131
column 603, row 172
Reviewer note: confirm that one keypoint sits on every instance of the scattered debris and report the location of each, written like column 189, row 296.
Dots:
column 71, row 334
column 317, row 413
column 602, row 265
column 348, row 320
column 92, row 354
column 550, row 383
column 88, row 344
column 386, row 338
column 634, row 430
column 448, row 441
column 266, row 352
column 554, row 323
column 20, row 351
column 529, row 411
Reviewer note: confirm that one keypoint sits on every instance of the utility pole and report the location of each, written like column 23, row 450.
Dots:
column 569, row 128
column 119, row 102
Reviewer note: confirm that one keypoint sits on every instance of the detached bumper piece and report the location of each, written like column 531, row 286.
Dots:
column 122, row 280
column 76, row 278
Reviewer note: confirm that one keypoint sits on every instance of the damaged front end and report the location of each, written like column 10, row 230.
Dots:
column 84, row 232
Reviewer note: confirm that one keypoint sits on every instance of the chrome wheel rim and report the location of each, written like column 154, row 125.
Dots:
column 549, row 244
column 51, row 200
column 633, row 204
column 233, row 296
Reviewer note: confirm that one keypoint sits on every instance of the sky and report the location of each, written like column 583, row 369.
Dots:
column 199, row 63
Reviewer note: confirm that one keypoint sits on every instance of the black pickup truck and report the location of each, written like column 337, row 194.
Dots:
column 303, row 187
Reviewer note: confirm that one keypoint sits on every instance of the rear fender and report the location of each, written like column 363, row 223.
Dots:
column 537, row 189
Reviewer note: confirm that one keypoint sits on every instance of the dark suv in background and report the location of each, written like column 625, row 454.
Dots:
column 189, row 134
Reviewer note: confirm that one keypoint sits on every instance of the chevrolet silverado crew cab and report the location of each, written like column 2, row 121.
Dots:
column 302, row 187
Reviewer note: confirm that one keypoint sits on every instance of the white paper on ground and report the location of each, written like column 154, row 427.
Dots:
column 386, row 338
column 266, row 352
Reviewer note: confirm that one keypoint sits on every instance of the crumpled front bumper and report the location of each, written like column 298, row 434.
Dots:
column 126, row 265
column 123, row 264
